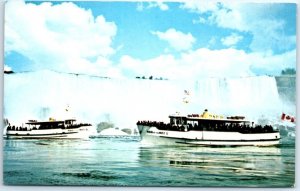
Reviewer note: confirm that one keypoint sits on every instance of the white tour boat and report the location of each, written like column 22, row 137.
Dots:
column 49, row 129
column 208, row 130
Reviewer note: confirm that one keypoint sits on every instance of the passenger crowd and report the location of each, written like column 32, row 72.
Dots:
column 227, row 127
column 16, row 128
column 58, row 126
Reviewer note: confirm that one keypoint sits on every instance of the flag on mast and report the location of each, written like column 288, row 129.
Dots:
column 285, row 117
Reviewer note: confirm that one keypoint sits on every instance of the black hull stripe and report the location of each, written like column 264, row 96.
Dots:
column 275, row 131
column 35, row 135
column 53, row 137
column 213, row 145
column 210, row 140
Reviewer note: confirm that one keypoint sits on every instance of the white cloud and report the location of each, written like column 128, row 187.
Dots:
column 200, row 20
column 204, row 62
column 232, row 39
column 140, row 6
column 271, row 37
column 162, row 6
column 61, row 37
column 160, row 66
column 66, row 37
column 272, row 64
column 212, row 41
column 178, row 40
column 200, row 6
column 256, row 18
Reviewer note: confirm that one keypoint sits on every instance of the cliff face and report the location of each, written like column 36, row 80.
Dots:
column 287, row 87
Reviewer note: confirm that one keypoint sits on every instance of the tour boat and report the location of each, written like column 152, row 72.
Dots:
column 49, row 129
column 208, row 130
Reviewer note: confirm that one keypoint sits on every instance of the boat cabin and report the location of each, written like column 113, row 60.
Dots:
column 51, row 124
column 46, row 125
column 199, row 123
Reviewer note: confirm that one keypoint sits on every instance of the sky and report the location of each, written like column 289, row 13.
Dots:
column 173, row 40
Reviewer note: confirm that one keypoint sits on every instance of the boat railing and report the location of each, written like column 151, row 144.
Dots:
column 22, row 128
column 78, row 125
column 17, row 128
column 232, row 127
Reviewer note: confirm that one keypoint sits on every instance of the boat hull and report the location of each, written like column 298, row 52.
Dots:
column 152, row 135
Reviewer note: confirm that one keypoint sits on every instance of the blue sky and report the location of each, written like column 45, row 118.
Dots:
column 185, row 40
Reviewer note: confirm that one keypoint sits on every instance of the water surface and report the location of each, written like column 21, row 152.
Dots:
column 126, row 162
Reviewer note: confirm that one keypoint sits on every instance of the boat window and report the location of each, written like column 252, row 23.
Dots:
column 34, row 127
column 194, row 122
column 177, row 121
column 68, row 122
column 184, row 121
column 172, row 121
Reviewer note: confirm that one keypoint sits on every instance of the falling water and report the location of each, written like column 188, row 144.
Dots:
column 43, row 94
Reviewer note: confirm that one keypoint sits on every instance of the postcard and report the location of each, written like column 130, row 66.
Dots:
column 149, row 93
